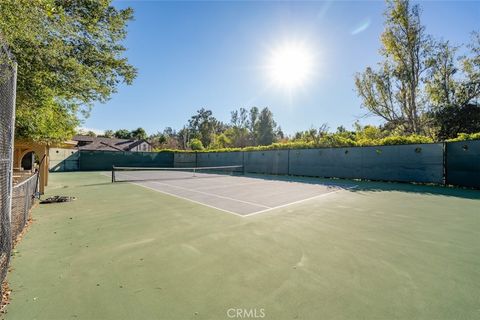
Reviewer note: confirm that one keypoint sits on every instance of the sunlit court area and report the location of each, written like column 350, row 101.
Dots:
column 208, row 160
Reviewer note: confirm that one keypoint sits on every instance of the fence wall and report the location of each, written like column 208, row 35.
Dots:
column 412, row 163
column 23, row 199
column 8, row 77
column 61, row 160
column 463, row 163
column 213, row 159
column 184, row 159
column 331, row 162
column 268, row 162
column 455, row 163
column 104, row 160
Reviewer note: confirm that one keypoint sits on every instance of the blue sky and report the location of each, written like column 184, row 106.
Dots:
column 191, row 55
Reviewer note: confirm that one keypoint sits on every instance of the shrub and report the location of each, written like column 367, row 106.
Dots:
column 466, row 136
column 196, row 144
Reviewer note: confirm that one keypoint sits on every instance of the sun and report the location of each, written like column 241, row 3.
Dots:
column 290, row 65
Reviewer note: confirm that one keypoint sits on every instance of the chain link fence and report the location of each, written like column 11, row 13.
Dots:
column 8, row 73
column 23, row 199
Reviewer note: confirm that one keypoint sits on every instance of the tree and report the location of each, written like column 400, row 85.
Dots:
column 266, row 127
column 196, row 144
column 221, row 141
column 313, row 134
column 48, row 122
column 279, row 135
column 122, row 134
column 393, row 92
column 440, row 84
column 139, row 134
column 203, row 126
column 252, row 125
column 368, row 132
column 167, row 139
column 453, row 87
column 184, row 137
column 238, row 133
column 108, row 134
column 453, row 120
column 69, row 55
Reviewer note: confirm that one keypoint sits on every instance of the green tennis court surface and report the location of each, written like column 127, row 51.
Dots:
column 122, row 251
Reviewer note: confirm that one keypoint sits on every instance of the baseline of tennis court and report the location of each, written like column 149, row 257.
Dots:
column 239, row 195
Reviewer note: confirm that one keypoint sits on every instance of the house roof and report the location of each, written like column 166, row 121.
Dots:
column 107, row 144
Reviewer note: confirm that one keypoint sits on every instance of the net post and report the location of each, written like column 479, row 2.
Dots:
column 194, row 172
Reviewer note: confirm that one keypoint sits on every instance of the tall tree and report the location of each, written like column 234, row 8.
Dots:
column 453, row 120
column 139, row 134
column 266, row 127
column 184, row 137
column 69, row 55
column 108, row 134
column 204, row 126
column 168, row 139
column 238, row 133
column 253, row 124
column 123, row 134
column 393, row 92
column 453, row 88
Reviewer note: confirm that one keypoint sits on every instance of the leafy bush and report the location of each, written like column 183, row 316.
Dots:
column 466, row 136
column 196, row 144
column 395, row 140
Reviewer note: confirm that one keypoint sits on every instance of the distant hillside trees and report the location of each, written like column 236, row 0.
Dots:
column 137, row 134
column 246, row 128
column 122, row 134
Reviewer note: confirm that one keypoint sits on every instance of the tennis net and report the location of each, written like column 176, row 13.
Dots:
column 122, row 174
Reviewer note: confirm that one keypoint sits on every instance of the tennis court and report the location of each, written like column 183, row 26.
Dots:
column 326, row 249
column 226, row 188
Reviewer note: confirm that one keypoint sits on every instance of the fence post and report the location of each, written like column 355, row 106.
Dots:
column 288, row 162
column 243, row 162
column 445, row 164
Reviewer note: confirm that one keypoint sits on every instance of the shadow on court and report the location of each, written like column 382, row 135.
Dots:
column 379, row 186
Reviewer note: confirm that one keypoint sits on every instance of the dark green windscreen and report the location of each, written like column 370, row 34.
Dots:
column 185, row 159
column 412, row 163
column 104, row 160
column 424, row 163
column 405, row 163
column 327, row 162
column 215, row 159
column 268, row 162
column 463, row 163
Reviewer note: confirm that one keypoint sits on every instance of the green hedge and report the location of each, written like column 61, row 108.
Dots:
column 335, row 140
column 466, row 136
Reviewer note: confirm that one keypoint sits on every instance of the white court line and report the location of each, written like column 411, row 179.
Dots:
column 212, row 195
column 236, row 185
column 205, row 193
column 299, row 201
column 183, row 198
column 235, row 213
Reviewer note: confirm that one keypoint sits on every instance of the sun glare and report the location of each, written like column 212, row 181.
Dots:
column 290, row 65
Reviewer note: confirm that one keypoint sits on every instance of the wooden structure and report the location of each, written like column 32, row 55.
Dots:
column 23, row 148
